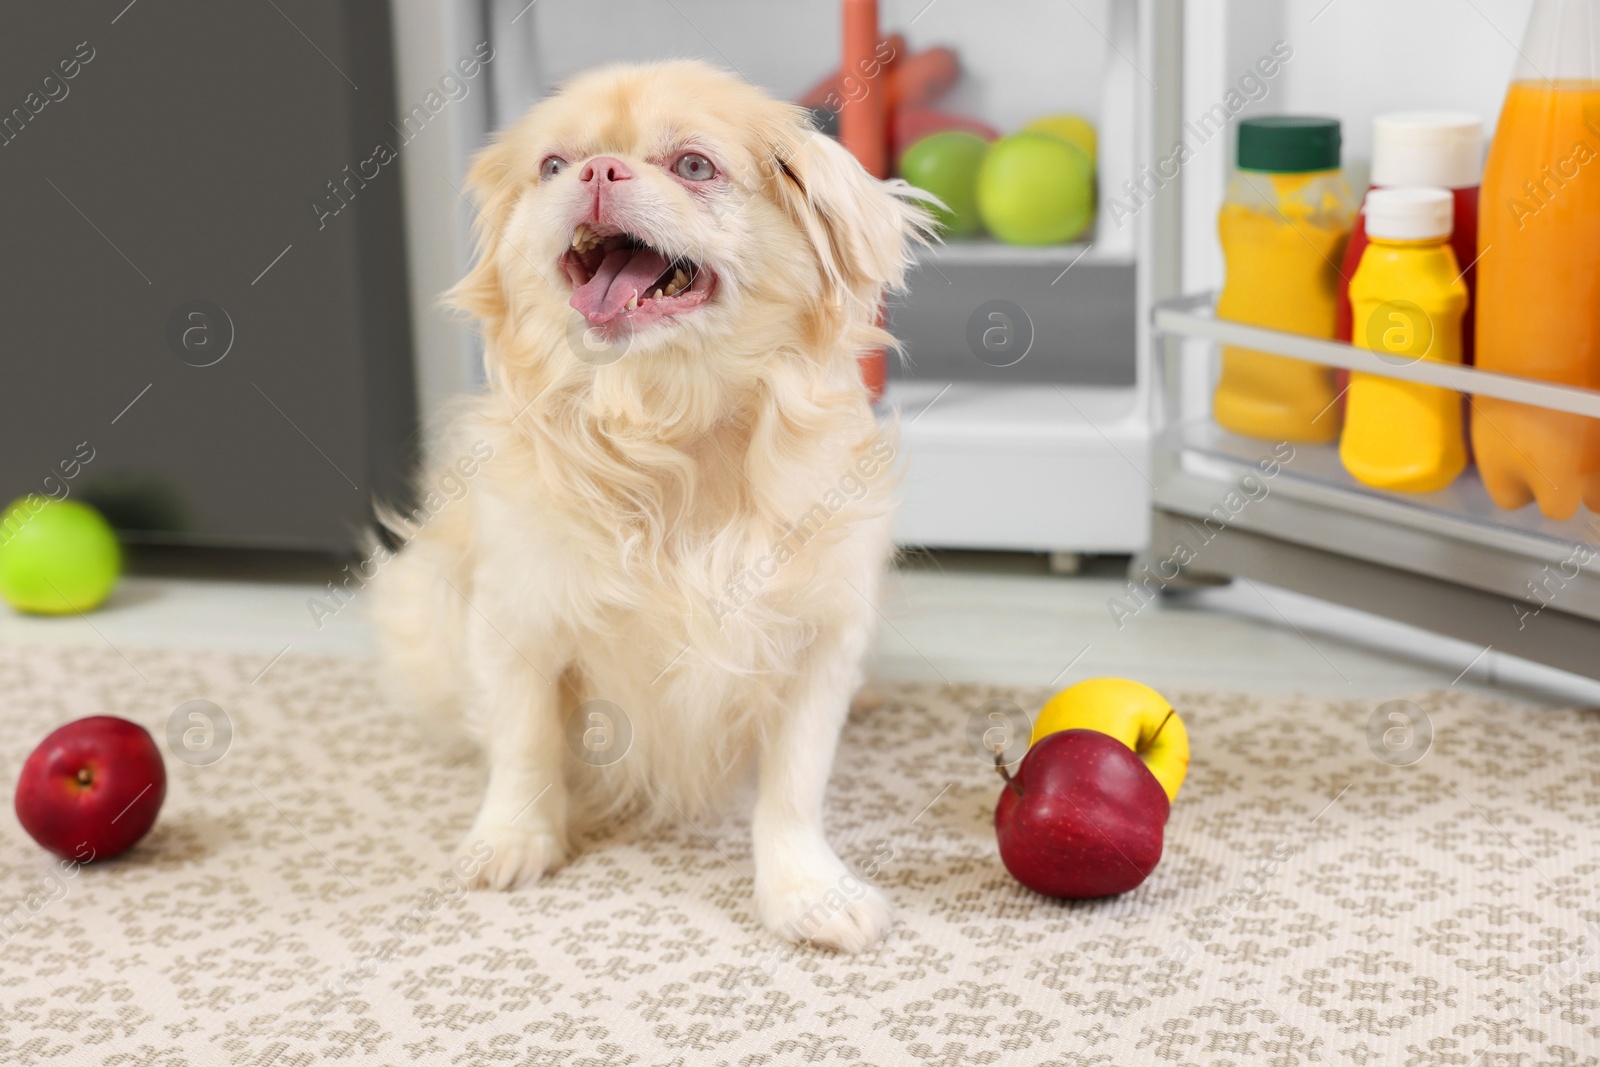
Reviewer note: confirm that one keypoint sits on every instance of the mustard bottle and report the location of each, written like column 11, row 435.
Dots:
column 1283, row 226
column 1407, row 300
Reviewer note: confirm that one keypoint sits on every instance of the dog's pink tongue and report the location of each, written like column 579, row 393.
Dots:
column 622, row 274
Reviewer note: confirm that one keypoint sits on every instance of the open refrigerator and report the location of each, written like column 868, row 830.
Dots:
column 1449, row 561
column 1029, row 453
column 1100, row 439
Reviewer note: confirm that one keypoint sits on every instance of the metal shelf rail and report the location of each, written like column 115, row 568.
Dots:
column 1287, row 514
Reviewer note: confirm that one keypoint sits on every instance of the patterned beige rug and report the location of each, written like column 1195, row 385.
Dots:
column 1315, row 905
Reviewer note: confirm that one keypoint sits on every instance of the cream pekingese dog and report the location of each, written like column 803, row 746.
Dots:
column 667, row 565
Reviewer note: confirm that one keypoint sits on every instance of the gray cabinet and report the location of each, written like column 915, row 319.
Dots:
column 203, row 269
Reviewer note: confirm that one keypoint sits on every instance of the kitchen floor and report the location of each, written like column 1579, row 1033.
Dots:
column 948, row 616
column 313, row 845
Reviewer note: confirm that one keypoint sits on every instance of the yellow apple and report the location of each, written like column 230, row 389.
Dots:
column 1133, row 713
column 1074, row 129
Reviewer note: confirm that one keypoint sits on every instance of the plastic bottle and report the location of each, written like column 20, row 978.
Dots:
column 1408, row 298
column 1412, row 149
column 1538, row 311
column 1284, row 226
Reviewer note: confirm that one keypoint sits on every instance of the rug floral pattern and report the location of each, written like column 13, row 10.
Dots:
column 295, row 904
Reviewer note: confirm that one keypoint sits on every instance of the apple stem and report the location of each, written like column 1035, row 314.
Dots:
column 1163, row 726
column 1000, row 765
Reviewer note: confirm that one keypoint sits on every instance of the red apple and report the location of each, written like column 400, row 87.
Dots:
column 1083, row 817
column 92, row 788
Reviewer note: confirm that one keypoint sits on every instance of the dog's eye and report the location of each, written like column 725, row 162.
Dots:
column 694, row 167
column 552, row 166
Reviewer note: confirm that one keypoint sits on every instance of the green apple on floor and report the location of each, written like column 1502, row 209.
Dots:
column 57, row 557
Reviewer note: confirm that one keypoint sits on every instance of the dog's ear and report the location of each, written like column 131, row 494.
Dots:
column 863, row 229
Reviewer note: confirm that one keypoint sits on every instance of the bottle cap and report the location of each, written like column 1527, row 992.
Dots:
column 1410, row 214
column 1286, row 144
column 1443, row 148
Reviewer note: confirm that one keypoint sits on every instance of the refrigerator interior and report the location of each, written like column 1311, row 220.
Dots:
column 1000, row 454
column 1450, row 560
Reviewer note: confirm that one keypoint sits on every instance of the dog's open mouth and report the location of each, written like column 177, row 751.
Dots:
column 620, row 279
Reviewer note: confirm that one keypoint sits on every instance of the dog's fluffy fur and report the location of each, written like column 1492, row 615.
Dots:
column 693, row 532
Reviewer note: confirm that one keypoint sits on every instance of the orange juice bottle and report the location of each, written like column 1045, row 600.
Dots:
column 1538, row 311
column 1283, row 225
column 1407, row 299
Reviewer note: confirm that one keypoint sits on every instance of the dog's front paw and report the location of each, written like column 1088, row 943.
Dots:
column 842, row 913
column 505, row 857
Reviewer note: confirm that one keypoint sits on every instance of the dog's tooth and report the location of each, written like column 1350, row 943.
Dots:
column 658, row 294
column 581, row 237
column 679, row 278
column 672, row 289
column 633, row 301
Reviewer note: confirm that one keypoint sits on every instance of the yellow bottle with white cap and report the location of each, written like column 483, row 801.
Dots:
column 1407, row 298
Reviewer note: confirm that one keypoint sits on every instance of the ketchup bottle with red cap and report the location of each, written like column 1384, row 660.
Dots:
column 1443, row 149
